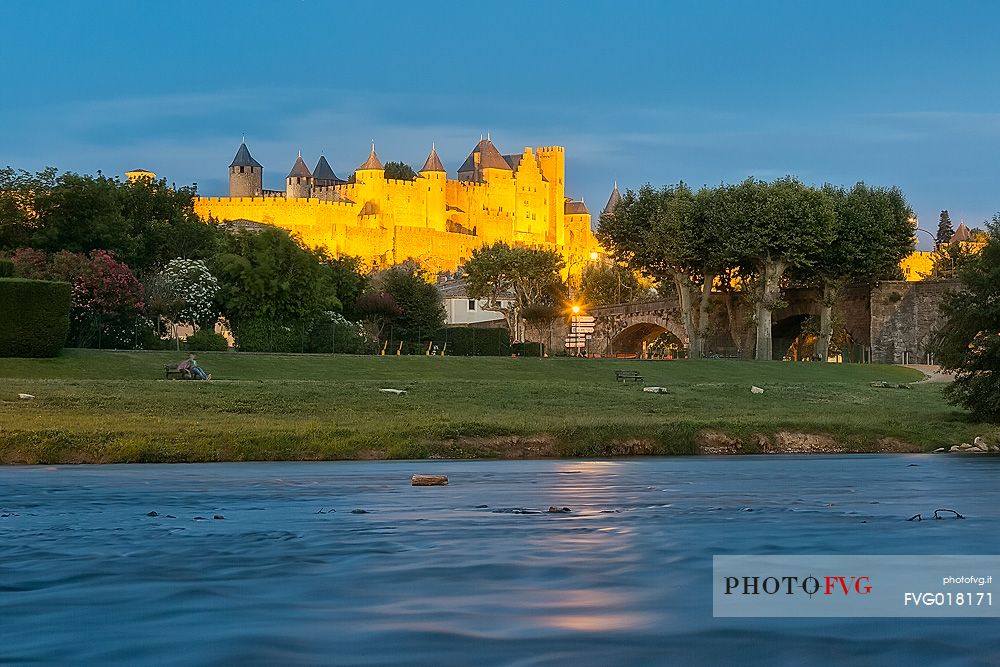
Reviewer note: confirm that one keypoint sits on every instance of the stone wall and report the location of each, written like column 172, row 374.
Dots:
column 904, row 315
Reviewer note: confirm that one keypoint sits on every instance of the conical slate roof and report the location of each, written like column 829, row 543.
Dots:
column 613, row 200
column 243, row 158
column 299, row 169
column 433, row 162
column 961, row 234
column 323, row 170
column 372, row 162
column 489, row 158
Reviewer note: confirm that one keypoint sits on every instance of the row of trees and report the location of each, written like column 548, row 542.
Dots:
column 756, row 238
column 136, row 249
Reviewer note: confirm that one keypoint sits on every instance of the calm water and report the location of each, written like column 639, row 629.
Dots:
column 438, row 576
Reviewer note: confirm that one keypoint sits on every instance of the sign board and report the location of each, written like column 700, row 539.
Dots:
column 575, row 344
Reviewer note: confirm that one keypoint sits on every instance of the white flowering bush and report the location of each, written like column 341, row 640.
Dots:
column 190, row 288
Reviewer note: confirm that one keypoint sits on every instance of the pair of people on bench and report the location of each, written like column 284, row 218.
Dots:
column 190, row 367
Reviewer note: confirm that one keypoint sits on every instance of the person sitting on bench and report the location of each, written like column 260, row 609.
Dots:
column 196, row 370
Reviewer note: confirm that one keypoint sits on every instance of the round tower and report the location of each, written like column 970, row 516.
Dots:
column 299, row 183
column 246, row 175
column 435, row 206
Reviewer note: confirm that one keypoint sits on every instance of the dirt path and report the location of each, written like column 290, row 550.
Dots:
column 931, row 373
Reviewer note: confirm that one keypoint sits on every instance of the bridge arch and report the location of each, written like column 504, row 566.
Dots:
column 640, row 337
column 624, row 328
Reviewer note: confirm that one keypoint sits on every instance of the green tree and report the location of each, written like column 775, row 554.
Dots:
column 607, row 283
column 947, row 261
column 872, row 232
column 19, row 217
column 269, row 278
column 664, row 235
column 399, row 171
column 772, row 227
column 144, row 223
column 349, row 281
column 511, row 279
column 945, row 229
column 421, row 309
column 968, row 342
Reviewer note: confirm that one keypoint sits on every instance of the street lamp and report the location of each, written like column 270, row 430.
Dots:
column 933, row 238
column 575, row 309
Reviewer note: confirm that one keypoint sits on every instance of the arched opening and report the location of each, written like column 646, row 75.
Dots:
column 789, row 341
column 665, row 346
column 647, row 339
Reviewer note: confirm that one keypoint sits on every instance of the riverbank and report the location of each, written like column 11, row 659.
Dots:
column 109, row 407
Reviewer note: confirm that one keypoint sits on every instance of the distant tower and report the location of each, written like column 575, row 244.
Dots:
column 136, row 175
column 613, row 200
column 436, row 208
column 246, row 175
column 323, row 173
column 300, row 180
column 484, row 161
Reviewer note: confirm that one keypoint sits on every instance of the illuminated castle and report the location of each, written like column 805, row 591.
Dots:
column 518, row 198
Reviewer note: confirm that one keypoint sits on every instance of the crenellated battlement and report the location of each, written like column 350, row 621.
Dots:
column 434, row 218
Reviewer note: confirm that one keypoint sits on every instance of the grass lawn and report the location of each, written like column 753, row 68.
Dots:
column 95, row 406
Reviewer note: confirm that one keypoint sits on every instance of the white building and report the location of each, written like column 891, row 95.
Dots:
column 461, row 310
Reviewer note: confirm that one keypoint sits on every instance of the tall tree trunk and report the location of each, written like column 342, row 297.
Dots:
column 773, row 271
column 735, row 332
column 704, row 321
column 683, row 285
column 825, row 322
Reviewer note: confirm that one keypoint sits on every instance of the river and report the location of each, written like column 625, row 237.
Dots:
column 468, row 574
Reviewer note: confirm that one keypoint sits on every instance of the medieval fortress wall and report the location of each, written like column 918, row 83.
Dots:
column 519, row 199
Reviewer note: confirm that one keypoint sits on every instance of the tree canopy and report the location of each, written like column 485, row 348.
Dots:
column 144, row 223
column 419, row 303
column 270, row 276
column 968, row 342
column 871, row 233
column 945, row 229
column 399, row 171
column 513, row 279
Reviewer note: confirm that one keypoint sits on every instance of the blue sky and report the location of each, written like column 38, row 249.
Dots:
column 892, row 93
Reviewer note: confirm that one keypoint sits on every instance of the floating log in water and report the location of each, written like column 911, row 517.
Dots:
column 429, row 480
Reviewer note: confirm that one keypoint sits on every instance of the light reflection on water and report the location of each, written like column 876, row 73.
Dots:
column 430, row 576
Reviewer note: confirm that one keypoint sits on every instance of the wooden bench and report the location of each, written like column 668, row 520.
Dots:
column 174, row 374
column 628, row 376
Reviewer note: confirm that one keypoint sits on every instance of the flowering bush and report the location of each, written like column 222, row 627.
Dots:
column 107, row 298
column 185, row 291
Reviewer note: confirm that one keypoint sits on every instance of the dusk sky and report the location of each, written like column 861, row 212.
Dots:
column 892, row 93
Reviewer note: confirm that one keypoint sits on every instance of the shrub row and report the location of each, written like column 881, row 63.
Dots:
column 35, row 318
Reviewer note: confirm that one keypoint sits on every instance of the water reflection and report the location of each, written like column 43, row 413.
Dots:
column 434, row 576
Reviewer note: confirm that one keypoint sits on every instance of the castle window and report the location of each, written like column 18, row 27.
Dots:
column 472, row 305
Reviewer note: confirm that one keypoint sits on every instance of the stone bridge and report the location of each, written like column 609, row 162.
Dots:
column 628, row 328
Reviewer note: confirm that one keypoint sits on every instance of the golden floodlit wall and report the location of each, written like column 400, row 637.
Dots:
column 433, row 219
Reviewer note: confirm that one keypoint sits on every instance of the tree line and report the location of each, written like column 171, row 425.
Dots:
column 755, row 239
column 137, row 250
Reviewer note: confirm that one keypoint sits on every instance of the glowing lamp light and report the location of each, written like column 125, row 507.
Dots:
column 594, row 256
column 576, row 310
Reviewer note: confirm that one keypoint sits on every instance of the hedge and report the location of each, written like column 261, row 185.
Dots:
column 35, row 318
column 460, row 342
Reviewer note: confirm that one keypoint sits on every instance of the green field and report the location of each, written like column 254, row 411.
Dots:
column 115, row 407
